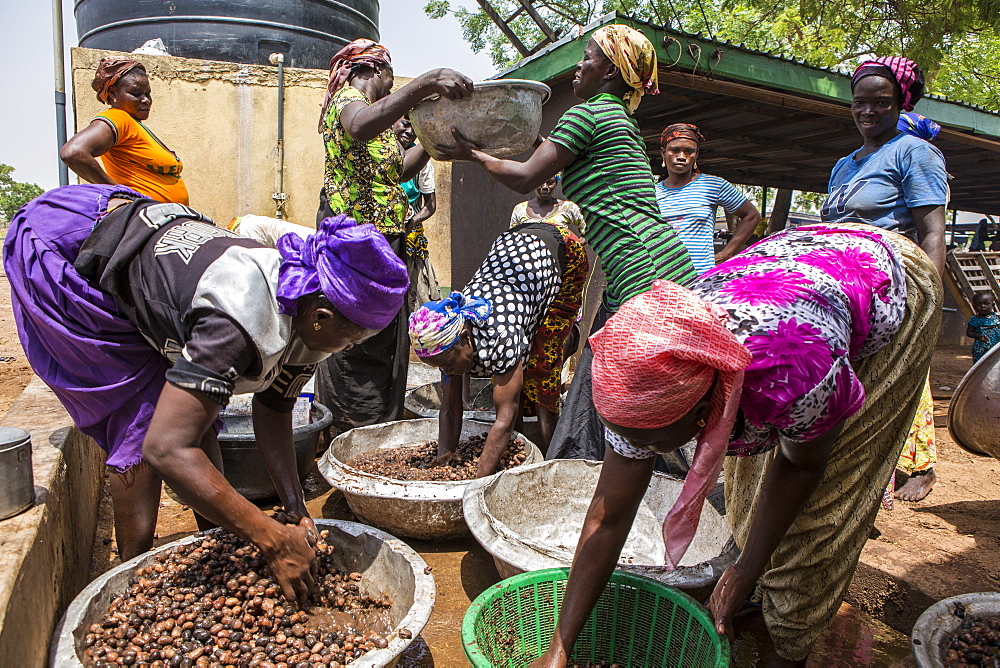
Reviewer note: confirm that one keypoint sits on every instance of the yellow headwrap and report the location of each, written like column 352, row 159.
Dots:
column 634, row 56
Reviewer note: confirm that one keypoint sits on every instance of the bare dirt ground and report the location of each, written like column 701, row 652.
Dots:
column 14, row 370
column 919, row 553
column 946, row 544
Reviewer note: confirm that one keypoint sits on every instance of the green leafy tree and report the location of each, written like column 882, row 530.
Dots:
column 14, row 194
column 955, row 41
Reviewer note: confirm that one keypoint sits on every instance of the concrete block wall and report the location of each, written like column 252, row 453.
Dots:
column 45, row 551
column 221, row 120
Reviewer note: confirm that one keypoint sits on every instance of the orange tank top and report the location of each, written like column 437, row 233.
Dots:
column 141, row 161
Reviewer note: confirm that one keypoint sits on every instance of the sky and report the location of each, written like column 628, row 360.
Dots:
column 27, row 119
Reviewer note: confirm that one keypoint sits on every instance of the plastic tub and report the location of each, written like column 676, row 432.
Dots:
column 636, row 622
column 388, row 565
column 530, row 518
column 241, row 460
column 428, row 510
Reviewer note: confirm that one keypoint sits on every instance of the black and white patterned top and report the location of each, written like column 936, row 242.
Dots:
column 520, row 277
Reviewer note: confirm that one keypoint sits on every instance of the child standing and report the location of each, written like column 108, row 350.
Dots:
column 984, row 327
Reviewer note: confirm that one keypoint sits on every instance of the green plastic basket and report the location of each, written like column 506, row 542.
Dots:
column 636, row 622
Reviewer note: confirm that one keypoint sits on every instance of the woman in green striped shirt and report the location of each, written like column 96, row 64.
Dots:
column 606, row 172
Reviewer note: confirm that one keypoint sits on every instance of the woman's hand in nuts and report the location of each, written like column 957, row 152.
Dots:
column 292, row 560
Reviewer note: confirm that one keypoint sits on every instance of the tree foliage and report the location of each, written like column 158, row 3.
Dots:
column 955, row 41
column 14, row 194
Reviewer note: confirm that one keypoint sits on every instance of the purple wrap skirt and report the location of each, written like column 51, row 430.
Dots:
column 75, row 337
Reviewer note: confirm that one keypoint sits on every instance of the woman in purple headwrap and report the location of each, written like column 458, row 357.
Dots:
column 144, row 318
column 897, row 181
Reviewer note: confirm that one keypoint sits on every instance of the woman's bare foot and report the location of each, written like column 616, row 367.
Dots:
column 918, row 486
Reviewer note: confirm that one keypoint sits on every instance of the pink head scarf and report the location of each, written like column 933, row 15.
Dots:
column 653, row 361
column 359, row 52
column 906, row 74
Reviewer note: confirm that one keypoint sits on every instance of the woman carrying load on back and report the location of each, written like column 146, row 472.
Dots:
column 606, row 172
column 511, row 323
column 144, row 319
column 803, row 358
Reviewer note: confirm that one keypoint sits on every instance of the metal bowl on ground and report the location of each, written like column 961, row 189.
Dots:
column 501, row 117
column 530, row 518
column 974, row 411
column 424, row 509
column 425, row 401
column 241, row 460
column 388, row 566
column 939, row 622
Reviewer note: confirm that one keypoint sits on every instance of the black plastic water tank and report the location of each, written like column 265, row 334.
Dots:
column 308, row 32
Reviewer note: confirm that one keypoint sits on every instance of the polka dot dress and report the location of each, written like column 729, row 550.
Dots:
column 520, row 278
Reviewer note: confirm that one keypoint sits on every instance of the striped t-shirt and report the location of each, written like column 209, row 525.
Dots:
column 611, row 182
column 690, row 210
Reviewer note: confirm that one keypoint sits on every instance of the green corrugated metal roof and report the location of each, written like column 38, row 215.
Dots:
column 743, row 65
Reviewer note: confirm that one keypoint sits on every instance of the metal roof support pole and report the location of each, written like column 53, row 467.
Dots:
column 60, row 88
column 550, row 34
column 279, row 195
column 779, row 212
column 503, row 24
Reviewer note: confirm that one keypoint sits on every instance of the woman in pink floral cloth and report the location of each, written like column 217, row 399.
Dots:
column 801, row 358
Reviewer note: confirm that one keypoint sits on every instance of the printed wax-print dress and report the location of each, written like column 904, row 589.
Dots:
column 520, row 277
column 543, row 372
column 807, row 303
column 361, row 179
column 564, row 213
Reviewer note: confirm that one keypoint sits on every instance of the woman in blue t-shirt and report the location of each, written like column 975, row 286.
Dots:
column 689, row 199
column 897, row 181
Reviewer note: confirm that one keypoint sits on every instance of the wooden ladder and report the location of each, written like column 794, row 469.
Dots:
column 970, row 272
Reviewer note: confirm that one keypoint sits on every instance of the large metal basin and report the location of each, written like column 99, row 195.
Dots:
column 974, row 412
column 241, row 459
column 501, row 117
column 938, row 623
column 530, row 518
column 428, row 510
column 389, row 566
column 425, row 401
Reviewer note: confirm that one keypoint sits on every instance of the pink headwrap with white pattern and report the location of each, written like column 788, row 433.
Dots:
column 905, row 73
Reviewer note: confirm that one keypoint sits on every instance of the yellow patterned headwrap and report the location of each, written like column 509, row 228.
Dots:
column 634, row 56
